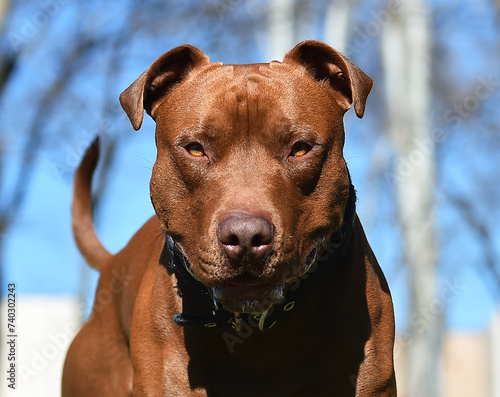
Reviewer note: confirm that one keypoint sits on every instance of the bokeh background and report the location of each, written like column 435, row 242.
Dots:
column 425, row 160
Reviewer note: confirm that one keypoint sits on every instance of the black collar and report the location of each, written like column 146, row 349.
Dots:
column 220, row 317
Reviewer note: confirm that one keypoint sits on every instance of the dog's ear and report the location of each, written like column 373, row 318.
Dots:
column 326, row 64
column 154, row 84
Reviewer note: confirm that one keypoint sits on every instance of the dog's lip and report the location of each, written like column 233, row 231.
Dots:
column 246, row 286
column 246, row 281
column 246, row 294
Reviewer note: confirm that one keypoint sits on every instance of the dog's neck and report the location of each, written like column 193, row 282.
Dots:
column 330, row 252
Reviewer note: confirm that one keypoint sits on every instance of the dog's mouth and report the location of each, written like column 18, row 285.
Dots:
column 248, row 294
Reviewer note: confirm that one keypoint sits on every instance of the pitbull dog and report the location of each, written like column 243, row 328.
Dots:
column 255, row 277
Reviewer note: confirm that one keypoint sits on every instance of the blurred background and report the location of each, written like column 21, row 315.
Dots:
column 425, row 160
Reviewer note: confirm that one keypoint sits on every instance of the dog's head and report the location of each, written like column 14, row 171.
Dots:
column 250, row 177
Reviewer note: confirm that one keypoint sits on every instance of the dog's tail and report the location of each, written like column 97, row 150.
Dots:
column 82, row 212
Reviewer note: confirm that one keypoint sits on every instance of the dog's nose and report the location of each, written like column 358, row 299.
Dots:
column 245, row 237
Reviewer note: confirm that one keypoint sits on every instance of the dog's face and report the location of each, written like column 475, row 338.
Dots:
column 250, row 176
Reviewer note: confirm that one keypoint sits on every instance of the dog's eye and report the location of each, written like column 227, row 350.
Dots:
column 300, row 149
column 195, row 149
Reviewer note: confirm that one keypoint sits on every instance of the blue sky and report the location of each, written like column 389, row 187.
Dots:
column 41, row 257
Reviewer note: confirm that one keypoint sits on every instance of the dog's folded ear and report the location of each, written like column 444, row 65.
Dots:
column 154, row 84
column 326, row 64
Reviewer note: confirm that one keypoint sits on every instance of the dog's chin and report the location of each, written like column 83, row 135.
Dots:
column 248, row 298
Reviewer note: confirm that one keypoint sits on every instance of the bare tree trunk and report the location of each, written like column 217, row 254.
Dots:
column 337, row 18
column 406, row 57
column 280, row 19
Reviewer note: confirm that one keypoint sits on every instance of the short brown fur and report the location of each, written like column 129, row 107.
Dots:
column 226, row 138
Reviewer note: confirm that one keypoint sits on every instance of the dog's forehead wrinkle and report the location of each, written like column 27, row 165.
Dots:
column 199, row 132
column 254, row 101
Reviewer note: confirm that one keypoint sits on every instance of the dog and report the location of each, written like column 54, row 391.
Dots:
column 255, row 277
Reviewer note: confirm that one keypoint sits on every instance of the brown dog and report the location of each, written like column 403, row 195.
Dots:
column 255, row 278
